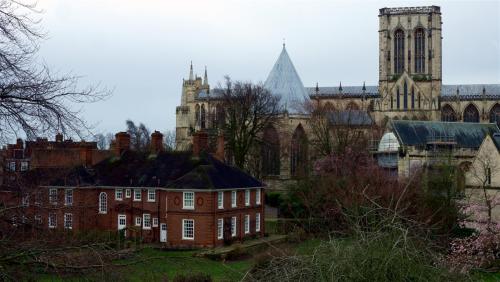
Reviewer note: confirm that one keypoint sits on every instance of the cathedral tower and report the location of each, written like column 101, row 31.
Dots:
column 410, row 62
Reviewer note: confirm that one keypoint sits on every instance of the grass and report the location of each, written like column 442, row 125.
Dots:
column 157, row 265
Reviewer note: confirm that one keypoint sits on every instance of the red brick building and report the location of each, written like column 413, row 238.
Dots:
column 179, row 199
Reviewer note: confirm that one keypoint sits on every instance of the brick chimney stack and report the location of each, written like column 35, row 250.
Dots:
column 156, row 142
column 219, row 152
column 19, row 143
column 59, row 137
column 122, row 142
column 200, row 142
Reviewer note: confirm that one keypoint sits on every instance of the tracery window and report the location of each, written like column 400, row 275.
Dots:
column 270, row 152
column 399, row 51
column 298, row 154
column 412, row 98
column 352, row 106
column 197, row 114
column 471, row 114
column 495, row 114
column 397, row 98
column 448, row 114
column 405, row 96
column 419, row 50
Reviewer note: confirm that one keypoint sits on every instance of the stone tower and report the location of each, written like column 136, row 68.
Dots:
column 410, row 62
column 192, row 89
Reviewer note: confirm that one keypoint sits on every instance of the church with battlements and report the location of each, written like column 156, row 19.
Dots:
column 410, row 88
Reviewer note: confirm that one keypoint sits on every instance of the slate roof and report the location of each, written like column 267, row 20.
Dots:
column 284, row 81
column 351, row 117
column 496, row 140
column 166, row 170
column 418, row 133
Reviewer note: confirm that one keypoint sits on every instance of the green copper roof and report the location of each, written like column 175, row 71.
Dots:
column 418, row 133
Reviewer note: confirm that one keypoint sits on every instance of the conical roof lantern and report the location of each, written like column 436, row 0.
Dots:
column 284, row 81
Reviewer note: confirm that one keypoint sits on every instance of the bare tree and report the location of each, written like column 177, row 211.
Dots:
column 248, row 109
column 32, row 99
column 100, row 139
column 169, row 140
column 336, row 130
column 140, row 138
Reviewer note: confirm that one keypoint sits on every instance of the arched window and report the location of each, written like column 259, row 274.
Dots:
column 298, row 154
column 495, row 114
column 471, row 114
column 203, row 116
column 397, row 98
column 392, row 102
column 448, row 114
column 412, row 98
column 399, row 51
column 103, row 202
column 197, row 114
column 420, row 50
column 328, row 107
column 352, row 106
column 405, row 96
column 270, row 152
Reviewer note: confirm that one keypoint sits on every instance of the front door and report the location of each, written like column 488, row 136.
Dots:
column 163, row 232
column 122, row 223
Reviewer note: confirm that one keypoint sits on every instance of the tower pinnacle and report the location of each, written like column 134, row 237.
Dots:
column 191, row 77
column 205, row 79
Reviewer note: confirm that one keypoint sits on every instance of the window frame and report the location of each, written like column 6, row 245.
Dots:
column 118, row 194
column 184, row 206
column 184, row 221
column 257, row 222
column 247, row 224
column 220, row 228
column 24, row 166
column 258, row 195
column 12, row 166
column 155, row 222
column 37, row 219
column 53, row 196
column 137, row 199
column 138, row 221
column 247, row 197
column 220, row 200
column 52, row 220
column 146, row 221
column 152, row 192
column 234, row 226
column 234, row 200
column 103, row 205
column 68, row 218
column 25, row 200
column 128, row 193
column 68, row 194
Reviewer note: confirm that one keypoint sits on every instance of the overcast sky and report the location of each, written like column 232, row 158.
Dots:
column 142, row 49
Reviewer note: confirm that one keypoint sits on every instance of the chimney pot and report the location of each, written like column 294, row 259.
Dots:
column 59, row 137
column 156, row 142
column 122, row 142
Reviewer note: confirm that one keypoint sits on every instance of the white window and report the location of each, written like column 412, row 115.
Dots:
column 128, row 193
column 188, row 229
column 122, row 221
column 146, row 221
column 68, row 197
column 53, row 196
column 52, row 220
column 155, row 222
column 12, row 166
column 24, row 166
column 137, row 194
column 103, row 203
column 68, row 221
column 220, row 199
column 247, row 224
column 38, row 219
column 220, row 228
column 138, row 221
column 257, row 197
column 188, row 200
column 257, row 222
column 25, row 201
column 233, row 226
column 119, row 194
column 151, row 195
column 247, row 197
column 233, row 199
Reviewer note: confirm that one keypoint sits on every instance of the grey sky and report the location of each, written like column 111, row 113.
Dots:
column 142, row 49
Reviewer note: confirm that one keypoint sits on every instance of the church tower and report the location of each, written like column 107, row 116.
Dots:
column 410, row 62
column 193, row 90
